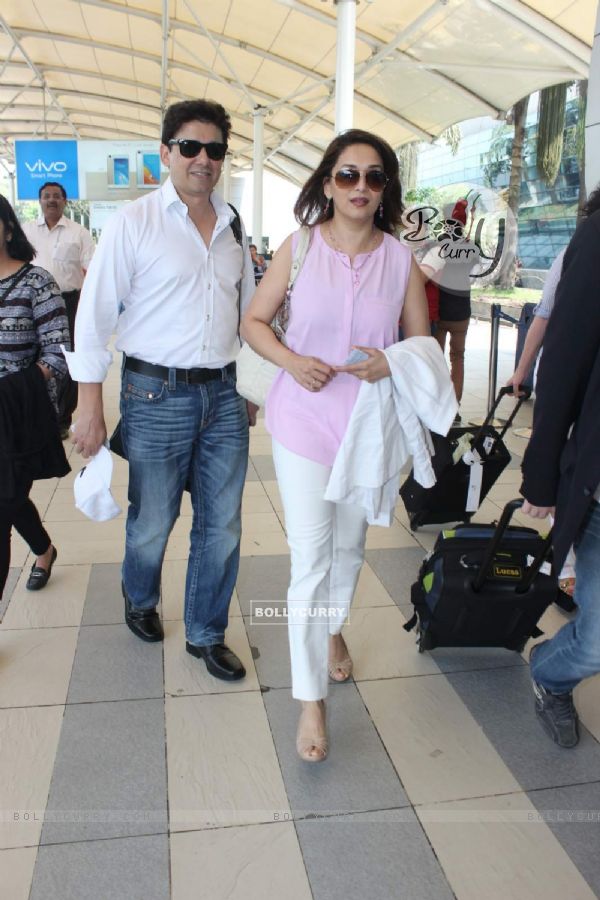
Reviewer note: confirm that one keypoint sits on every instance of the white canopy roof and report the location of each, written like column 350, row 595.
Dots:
column 104, row 68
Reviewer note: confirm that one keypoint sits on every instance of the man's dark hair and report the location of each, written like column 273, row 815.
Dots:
column 17, row 246
column 52, row 184
column 312, row 206
column 592, row 203
column 195, row 111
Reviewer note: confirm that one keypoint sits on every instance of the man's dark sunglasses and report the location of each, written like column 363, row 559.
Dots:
column 189, row 149
column 347, row 178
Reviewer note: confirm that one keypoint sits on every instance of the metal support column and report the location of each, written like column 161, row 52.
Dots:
column 344, row 72
column 257, row 200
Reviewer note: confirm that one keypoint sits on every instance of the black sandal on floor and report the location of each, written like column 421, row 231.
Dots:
column 38, row 577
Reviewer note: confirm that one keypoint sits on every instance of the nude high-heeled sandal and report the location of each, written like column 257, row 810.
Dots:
column 311, row 746
column 340, row 670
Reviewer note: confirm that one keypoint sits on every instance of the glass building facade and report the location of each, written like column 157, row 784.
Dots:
column 547, row 215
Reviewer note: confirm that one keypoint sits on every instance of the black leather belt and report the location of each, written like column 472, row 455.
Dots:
column 187, row 376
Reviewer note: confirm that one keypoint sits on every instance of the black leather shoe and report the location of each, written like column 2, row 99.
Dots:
column 144, row 623
column 220, row 661
column 38, row 577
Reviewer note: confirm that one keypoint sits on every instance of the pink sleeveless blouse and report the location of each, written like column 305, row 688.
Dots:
column 329, row 314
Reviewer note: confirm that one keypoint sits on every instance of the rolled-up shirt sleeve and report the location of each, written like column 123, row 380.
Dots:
column 106, row 285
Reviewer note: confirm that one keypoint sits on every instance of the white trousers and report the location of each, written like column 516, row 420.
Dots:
column 327, row 547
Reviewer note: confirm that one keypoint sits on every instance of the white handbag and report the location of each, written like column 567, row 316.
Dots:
column 255, row 375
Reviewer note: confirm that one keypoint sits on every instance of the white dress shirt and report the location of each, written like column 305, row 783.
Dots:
column 172, row 300
column 390, row 421
column 65, row 250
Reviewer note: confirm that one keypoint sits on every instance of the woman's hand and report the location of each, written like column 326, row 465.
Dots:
column 310, row 373
column 45, row 370
column 373, row 369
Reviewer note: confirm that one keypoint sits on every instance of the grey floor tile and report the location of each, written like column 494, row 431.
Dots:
column 501, row 701
column 463, row 659
column 264, row 467
column 397, row 570
column 264, row 578
column 357, row 776
column 112, row 664
column 109, row 776
column 271, row 652
column 104, row 601
column 572, row 813
column 382, row 856
column 128, row 868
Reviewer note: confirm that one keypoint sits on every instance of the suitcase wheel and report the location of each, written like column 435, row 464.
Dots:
column 425, row 641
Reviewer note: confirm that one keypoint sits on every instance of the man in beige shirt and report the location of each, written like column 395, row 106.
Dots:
column 64, row 248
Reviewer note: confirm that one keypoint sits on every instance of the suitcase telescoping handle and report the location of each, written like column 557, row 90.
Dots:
column 507, row 389
column 494, row 544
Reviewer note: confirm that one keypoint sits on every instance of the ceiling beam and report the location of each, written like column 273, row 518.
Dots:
column 17, row 43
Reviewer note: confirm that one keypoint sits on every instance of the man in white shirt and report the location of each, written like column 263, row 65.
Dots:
column 170, row 277
column 65, row 249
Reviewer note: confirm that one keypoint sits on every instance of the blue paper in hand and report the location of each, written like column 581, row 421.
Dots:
column 356, row 356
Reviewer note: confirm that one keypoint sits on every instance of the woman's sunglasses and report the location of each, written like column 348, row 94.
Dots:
column 189, row 149
column 347, row 178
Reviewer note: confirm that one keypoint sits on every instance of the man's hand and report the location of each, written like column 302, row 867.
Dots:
column 537, row 512
column 89, row 431
column 252, row 411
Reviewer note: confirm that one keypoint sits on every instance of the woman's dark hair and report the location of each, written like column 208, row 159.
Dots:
column 312, row 206
column 18, row 247
column 195, row 111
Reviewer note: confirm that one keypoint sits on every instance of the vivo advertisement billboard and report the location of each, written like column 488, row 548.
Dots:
column 89, row 170
column 41, row 161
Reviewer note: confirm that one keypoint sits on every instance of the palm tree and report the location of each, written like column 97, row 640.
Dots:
column 508, row 267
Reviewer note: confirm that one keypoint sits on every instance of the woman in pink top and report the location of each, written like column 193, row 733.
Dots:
column 356, row 283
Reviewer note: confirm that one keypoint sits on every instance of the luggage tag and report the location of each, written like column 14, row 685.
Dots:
column 488, row 443
column 545, row 568
column 473, row 460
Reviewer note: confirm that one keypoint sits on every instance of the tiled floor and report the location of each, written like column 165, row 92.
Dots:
column 128, row 772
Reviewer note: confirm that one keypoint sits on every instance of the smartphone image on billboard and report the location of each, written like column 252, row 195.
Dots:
column 118, row 171
column 148, row 169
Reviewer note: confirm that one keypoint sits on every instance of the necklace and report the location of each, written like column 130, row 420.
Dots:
column 354, row 269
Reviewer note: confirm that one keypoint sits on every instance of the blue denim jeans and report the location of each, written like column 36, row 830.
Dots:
column 574, row 652
column 176, row 435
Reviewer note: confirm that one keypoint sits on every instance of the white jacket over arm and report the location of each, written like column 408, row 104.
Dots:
column 390, row 422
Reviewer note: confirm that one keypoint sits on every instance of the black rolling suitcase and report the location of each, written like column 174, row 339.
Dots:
column 482, row 586
column 457, row 493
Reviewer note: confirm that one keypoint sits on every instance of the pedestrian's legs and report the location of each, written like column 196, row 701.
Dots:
column 458, row 335
column 574, row 652
column 217, row 475
column 5, row 529
column 9, row 510
column 159, row 427
column 67, row 388
column 441, row 331
column 27, row 521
